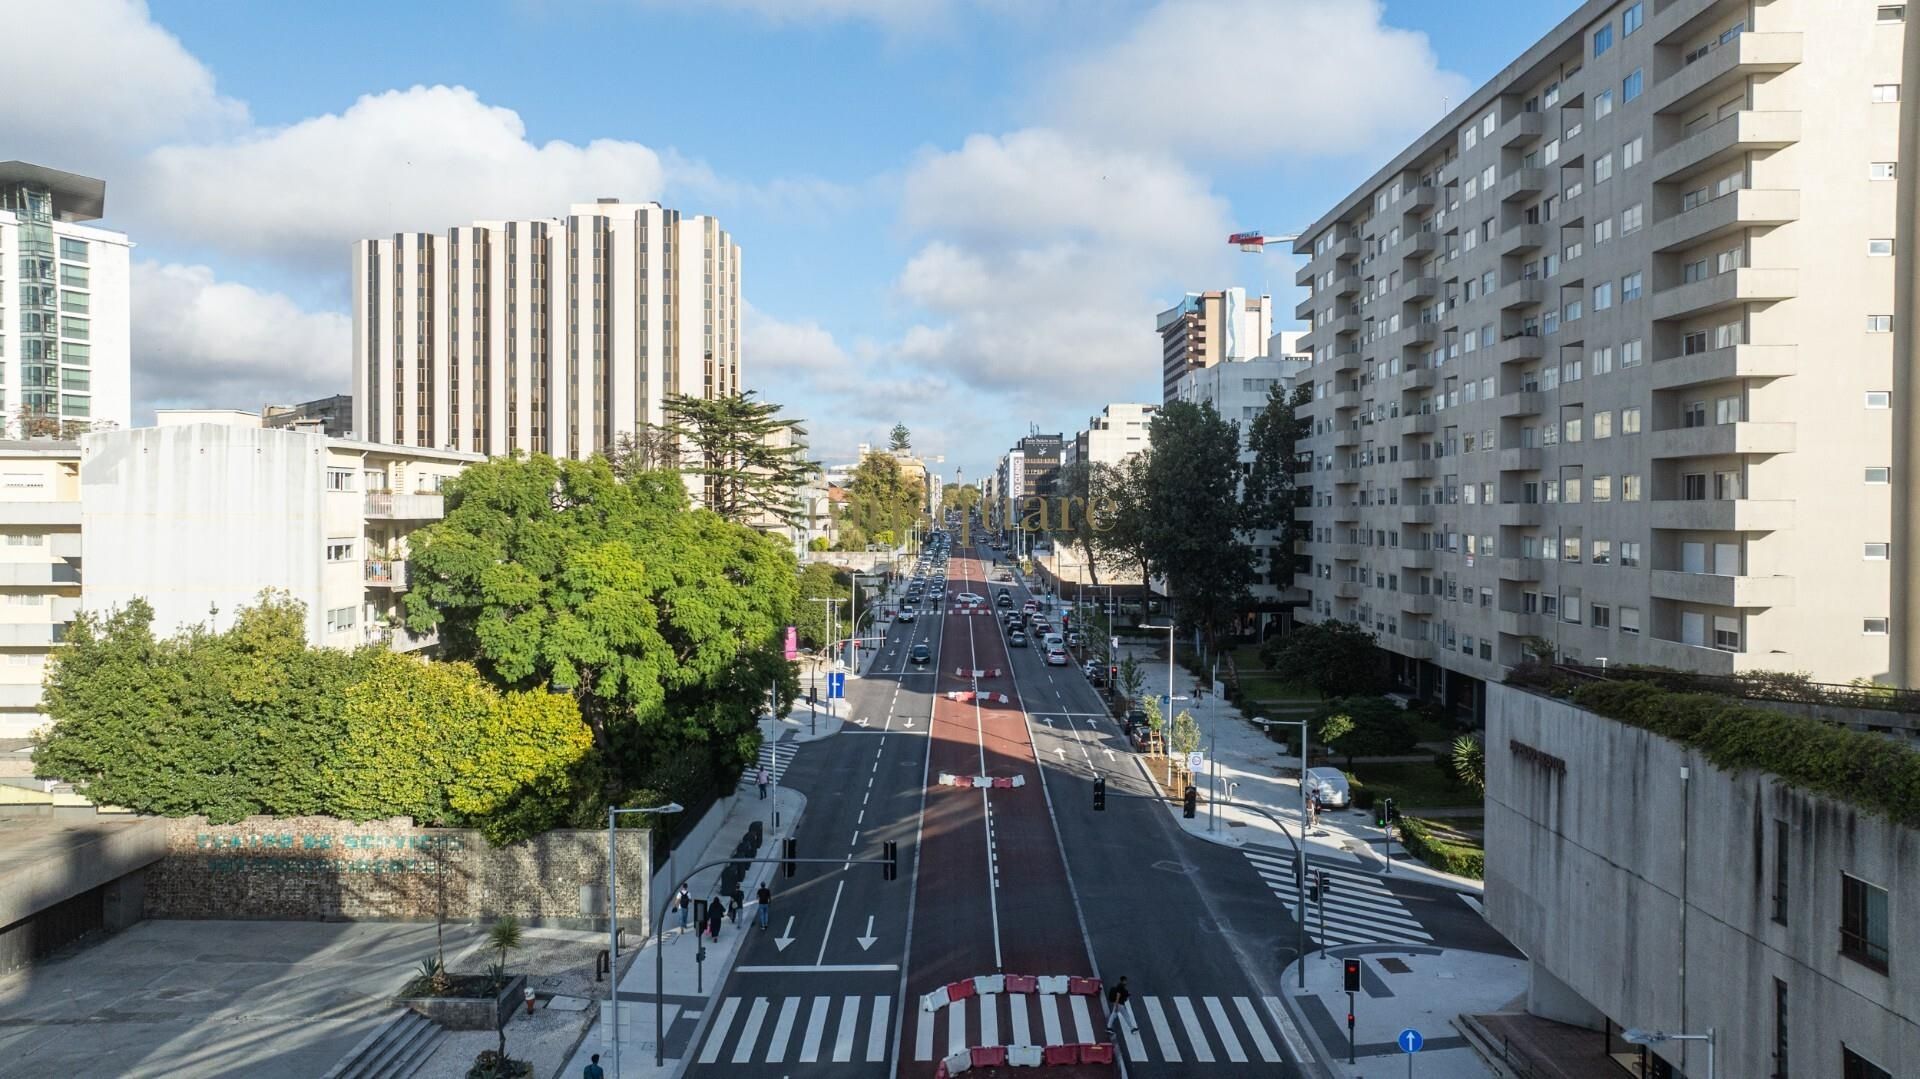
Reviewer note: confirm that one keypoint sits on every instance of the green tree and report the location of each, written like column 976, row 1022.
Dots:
column 1334, row 726
column 817, row 582
column 1377, row 728
column 647, row 448
column 1132, row 678
column 751, row 462
column 1186, row 733
column 1081, row 491
column 1336, row 658
column 900, row 439
column 1274, row 437
column 960, row 496
column 1193, row 530
column 1469, row 759
column 819, row 543
column 882, row 497
column 503, row 936
column 1127, row 524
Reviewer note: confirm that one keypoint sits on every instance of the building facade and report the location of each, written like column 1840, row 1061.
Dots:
column 1117, row 433
column 197, row 517
column 64, row 296
column 331, row 416
column 39, row 570
column 1207, row 328
column 543, row 336
column 1649, row 889
column 1601, row 363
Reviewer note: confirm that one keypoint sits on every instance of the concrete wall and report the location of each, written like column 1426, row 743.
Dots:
column 1585, row 841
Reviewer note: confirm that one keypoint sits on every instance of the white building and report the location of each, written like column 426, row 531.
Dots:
column 1206, row 328
column 63, row 300
column 545, row 336
column 1117, row 433
column 39, row 570
column 198, row 517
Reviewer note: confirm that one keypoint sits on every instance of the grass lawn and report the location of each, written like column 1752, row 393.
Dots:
column 1266, row 687
column 1415, row 786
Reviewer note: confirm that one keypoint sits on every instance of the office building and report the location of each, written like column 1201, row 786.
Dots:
column 63, row 305
column 545, row 336
column 1207, row 328
column 330, row 416
column 39, row 570
column 1117, row 433
column 1601, row 363
column 201, row 513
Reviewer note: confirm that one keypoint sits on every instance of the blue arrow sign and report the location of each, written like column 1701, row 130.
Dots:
column 1410, row 1041
column 836, row 685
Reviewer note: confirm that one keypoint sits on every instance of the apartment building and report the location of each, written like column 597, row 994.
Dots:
column 39, row 570
column 542, row 336
column 1601, row 364
column 201, row 513
column 1119, row 431
column 1206, row 328
column 63, row 304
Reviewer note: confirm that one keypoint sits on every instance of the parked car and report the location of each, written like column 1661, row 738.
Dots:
column 1097, row 674
column 1056, row 657
column 921, row 655
column 1330, row 784
column 1017, row 639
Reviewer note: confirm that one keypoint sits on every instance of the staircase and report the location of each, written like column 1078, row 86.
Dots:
column 394, row 1051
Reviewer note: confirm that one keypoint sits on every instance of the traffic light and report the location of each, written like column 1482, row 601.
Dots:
column 1100, row 793
column 891, row 850
column 1313, row 888
column 1192, row 801
column 1352, row 972
column 789, row 850
column 1382, row 812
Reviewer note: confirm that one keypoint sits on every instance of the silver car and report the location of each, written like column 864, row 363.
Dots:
column 1330, row 784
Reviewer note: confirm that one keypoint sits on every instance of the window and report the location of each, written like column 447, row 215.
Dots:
column 1879, row 323
column 1726, row 633
column 1630, row 620
column 1886, row 91
column 1600, row 616
column 1603, row 39
column 1879, row 247
column 1602, row 169
column 1630, row 220
column 339, row 550
column 1630, row 421
column 1693, row 414
column 1863, row 922
column 1602, row 231
column 1487, row 124
column 1891, row 13
column 1693, row 487
column 1629, row 552
column 1631, row 19
column 339, row 479
column 73, row 250
column 1881, row 170
column 1602, row 104
column 1879, row 399
column 1855, row 1066
column 1780, row 834
column 1603, row 424
column 1779, row 1024
column 1630, row 289
column 1602, row 489
column 1630, row 86
column 1631, row 153
column 1470, row 138
column 73, row 276
column 1876, row 475
column 1726, row 410
column 340, row 618
column 1602, row 552
column 1602, row 359
column 74, row 327
column 1603, row 296
column 1873, row 627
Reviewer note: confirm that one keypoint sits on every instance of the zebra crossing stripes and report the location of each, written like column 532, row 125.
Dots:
column 1173, row 1029
column 807, row 1030
column 1359, row 907
column 775, row 757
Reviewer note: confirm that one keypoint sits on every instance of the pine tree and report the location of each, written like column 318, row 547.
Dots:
column 734, row 444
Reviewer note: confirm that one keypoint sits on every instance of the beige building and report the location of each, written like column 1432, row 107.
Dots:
column 39, row 570
column 1602, row 363
column 1207, row 328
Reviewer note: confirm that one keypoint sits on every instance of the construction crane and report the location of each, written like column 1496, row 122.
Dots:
column 1255, row 242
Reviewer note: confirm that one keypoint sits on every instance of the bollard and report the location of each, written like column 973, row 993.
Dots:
column 528, row 994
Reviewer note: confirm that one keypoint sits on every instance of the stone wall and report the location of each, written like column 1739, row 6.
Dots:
column 325, row 869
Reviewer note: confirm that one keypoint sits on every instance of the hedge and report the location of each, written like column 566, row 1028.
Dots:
column 1440, row 854
column 1868, row 770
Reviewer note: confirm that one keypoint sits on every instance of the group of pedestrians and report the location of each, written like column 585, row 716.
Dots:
column 718, row 913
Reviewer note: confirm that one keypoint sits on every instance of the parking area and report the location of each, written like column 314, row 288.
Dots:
column 211, row 998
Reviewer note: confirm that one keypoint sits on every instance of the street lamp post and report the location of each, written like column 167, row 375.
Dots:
column 1300, row 873
column 833, row 625
column 1169, row 627
column 1637, row 1036
column 613, row 940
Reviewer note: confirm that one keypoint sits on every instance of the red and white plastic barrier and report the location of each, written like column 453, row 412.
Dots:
column 1023, row 1056
column 962, row 672
column 1044, row 984
column 970, row 695
column 947, row 779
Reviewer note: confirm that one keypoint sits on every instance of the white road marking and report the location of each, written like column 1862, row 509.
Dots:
column 750, row 1033
column 1169, row 1049
column 1225, row 1026
column 956, row 1026
column 1257, row 1030
column 843, row 1041
column 1196, row 1034
column 877, row 1035
column 816, row 1026
column 783, row 1029
column 718, row 1034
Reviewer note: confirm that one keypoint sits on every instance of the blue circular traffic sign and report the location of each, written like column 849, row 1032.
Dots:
column 1410, row 1041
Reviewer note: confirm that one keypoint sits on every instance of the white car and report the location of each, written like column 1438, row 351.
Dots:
column 1330, row 784
column 906, row 615
column 1056, row 657
column 1054, row 643
column 970, row 597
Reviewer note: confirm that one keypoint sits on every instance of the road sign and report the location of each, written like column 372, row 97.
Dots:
column 1410, row 1040
column 836, row 685
column 1196, row 761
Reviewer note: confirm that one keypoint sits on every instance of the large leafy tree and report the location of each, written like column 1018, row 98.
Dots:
column 750, row 460
column 1126, row 524
column 1366, row 727
column 1087, row 508
column 819, row 581
column 1336, row 658
column 663, row 623
column 1193, row 528
column 960, row 496
column 1274, row 437
column 882, row 497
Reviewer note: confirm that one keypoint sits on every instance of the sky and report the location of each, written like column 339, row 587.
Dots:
column 960, row 215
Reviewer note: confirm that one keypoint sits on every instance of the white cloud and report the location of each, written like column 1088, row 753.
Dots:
column 405, row 160
column 1251, row 79
column 199, row 341
column 893, row 14
column 86, row 79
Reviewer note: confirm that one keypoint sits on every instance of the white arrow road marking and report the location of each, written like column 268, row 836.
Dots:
column 1062, row 753
column 867, row 941
column 786, row 936
column 1108, row 752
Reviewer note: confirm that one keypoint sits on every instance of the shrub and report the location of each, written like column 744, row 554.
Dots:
column 1461, row 861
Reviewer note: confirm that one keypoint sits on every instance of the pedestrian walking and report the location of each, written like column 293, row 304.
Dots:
column 734, row 903
column 766, row 905
column 593, row 1070
column 763, row 782
column 685, row 907
column 716, row 913
column 1117, row 999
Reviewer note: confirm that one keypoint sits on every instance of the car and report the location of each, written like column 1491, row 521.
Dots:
column 1056, row 657
column 1097, row 674
column 1330, row 784
column 970, row 597
column 1004, row 600
column 921, row 655
column 906, row 615
column 1017, row 639
column 1053, row 641
column 1075, row 639
column 1029, row 606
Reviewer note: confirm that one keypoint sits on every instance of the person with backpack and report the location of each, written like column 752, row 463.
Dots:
column 1117, row 999
column 684, row 904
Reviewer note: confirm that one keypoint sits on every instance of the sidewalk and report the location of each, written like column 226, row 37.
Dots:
column 689, row 983
column 1401, row 988
column 1250, row 769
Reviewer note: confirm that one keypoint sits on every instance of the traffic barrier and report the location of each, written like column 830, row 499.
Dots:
column 1060, row 1054
column 1003, row 781
column 956, row 1063
column 989, row 1056
column 1053, row 983
column 1021, row 983
column 1024, row 1056
column 960, row 990
column 1084, row 987
column 990, row 983
column 1096, row 1053
column 934, row 1001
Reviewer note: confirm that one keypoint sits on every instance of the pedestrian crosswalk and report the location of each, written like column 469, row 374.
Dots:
column 1202, row 1029
column 799, row 1030
column 774, row 757
column 1359, row 908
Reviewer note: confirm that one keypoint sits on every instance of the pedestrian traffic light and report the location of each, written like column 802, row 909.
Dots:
column 1192, row 801
column 1100, row 793
column 1353, row 977
column 1313, row 888
column 1382, row 812
column 1393, row 811
column 892, row 852
column 789, row 850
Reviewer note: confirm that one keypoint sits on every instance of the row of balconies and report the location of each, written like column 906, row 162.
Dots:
column 1683, row 515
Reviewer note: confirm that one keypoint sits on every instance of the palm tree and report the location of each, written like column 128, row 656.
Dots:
column 503, row 938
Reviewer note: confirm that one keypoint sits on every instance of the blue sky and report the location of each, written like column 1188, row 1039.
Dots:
column 961, row 214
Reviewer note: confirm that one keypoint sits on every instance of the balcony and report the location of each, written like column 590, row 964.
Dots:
column 1717, row 591
column 1522, row 127
column 386, row 573
column 1523, row 238
column 1721, row 439
column 1428, row 604
column 1522, row 514
column 1660, row 652
column 29, row 634
column 1523, row 403
column 1345, row 477
column 1343, row 324
column 1344, row 400
column 1722, row 515
column 64, row 545
column 1346, row 247
column 1522, row 183
column 38, row 573
column 1419, row 515
column 1346, row 552
column 1305, row 513
column 1416, row 558
column 1304, row 309
column 1746, row 285
column 1724, row 142
column 1346, row 590
column 1529, row 293
column 1523, row 459
column 40, row 513
column 1409, row 647
column 1523, row 624
column 1727, row 214
column 390, row 506
column 1419, row 288
column 1346, row 284
column 1719, row 364
column 1420, row 198
column 1419, row 470
column 1418, row 424
column 1346, row 513
column 1520, row 569
column 1520, row 348
column 1419, row 378
column 1346, row 437
column 1417, row 244
column 1723, row 69
column 1423, row 331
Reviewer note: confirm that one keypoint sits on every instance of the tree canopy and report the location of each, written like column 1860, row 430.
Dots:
column 1366, row 727
column 820, row 581
column 750, row 461
column 1193, row 528
column 1336, row 658
column 960, row 496
column 900, row 438
column 882, row 497
column 1274, row 437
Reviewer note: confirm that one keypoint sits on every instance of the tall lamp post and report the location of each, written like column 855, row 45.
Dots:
column 1300, row 874
column 1637, row 1036
column 1169, row 627
column 613, row 939
column 833, row 609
